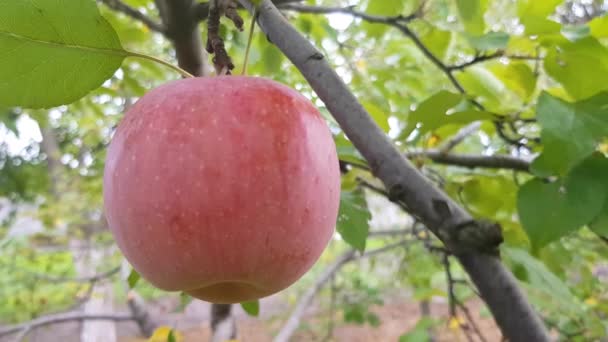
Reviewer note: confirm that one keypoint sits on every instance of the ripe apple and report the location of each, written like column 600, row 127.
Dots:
column 225, row 187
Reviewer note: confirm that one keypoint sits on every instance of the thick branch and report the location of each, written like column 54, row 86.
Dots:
column 60, row 318
column 294, row 319
column 400, row 23
column 140, row 314
column 223, row 325
column 473, row 160
column 120, row 6
column 497, row 285
column 182, row 28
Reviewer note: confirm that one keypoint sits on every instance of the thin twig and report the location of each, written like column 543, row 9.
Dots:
column 294, row 319
column 462, row 134
column 400, row 22
column 484, row 58
column 91, row 279
column 348, row 10
column 470, row 319
column 332, row 303
column 60, row 318
column 389, row 232
column 124, row 8
column 356, row 165
column 451, row 294
column 472, row 160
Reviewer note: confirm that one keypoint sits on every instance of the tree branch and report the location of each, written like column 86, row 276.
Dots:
column 400, row 23
column 223, row 325
column 26, row 327
column 294, row 319
column 346, row 10
column 201, row 9
column 122, row 7
column 483, row 58
column 179, row 16
column 514, row 315
column 91, row 279
column 462, row 134
column 473, row 160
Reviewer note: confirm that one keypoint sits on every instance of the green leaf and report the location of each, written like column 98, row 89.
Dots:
column 599, row 27
column 171, row 336
column 549, row 211
column 570, row 62
column 437, row 41
column 353, row 218
column 184, row 300
column 434, row 112
column 534, row 14
column 378, row 115
column 472, row 12
column 252, row 308
column 346, row 150
column 54, row 53
column 9, row 118
column 489, row 41
column 373, row 319
column 430, row 111
column 355, row 314
column 518, row 77
column 489, row 195
column 483, row 83
column 420, row 332
column 600, row 223
column 381, row 8
column 272, row 58
column 541, row 278
column 570, row 131
column 576, row 32
column 133, row 278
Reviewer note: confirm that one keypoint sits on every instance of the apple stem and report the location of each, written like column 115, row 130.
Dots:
column 254, row 16
column 160, row 61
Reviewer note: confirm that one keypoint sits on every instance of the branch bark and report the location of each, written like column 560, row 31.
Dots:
column 223, row 326
column 140, row 314
column 26, row 327
column 513, row 313
column 179, row 17
column 473, row 160
column 294, row 319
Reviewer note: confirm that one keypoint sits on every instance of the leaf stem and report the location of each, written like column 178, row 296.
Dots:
column 160, row 61
column 255, row 14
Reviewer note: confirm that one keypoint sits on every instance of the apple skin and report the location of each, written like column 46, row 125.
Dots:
column 226, row 188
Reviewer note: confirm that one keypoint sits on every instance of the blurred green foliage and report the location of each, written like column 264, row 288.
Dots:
column 540, row 77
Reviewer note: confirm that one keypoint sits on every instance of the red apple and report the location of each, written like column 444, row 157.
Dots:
column 226, row 188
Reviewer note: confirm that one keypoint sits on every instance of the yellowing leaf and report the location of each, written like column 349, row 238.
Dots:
column 161, row 334
column 361, row 64
column 591, row 301
column 433, row 141
column 456, row 323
